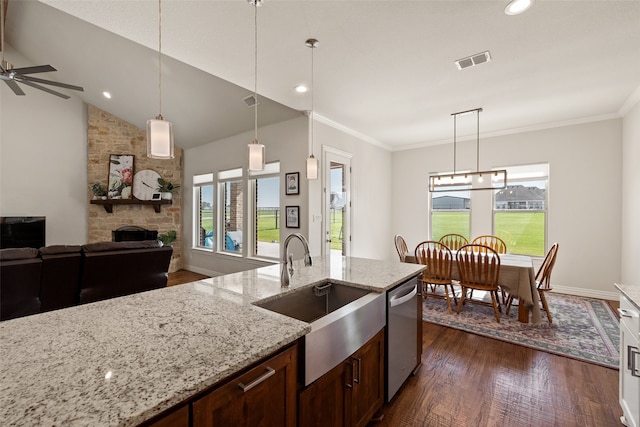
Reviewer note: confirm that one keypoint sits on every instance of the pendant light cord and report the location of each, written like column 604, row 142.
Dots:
column 478, row 140
column 255, row 87
column 159, row 54
column 313, row 91
column 455, row 117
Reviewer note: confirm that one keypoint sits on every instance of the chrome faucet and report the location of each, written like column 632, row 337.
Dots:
column 287, row 259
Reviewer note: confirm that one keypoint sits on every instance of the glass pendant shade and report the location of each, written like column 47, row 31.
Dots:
column 256, row 154
column 159, row 139
column 312, row 167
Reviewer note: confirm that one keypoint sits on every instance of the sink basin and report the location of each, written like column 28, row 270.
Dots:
column 343, row 318
column 310, row 304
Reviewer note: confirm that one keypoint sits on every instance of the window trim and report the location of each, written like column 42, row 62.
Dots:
column 199, row 181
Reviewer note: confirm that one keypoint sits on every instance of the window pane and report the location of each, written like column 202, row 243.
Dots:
column 520, row 210
column 204, row 198
column 523, row 232
column 450, row 214
column 232, row 215
column 267, row 217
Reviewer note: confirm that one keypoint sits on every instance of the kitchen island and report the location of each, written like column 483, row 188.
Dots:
column 125, row 360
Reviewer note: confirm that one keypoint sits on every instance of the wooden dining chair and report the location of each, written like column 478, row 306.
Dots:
column 401, row 247
column 454, row 241
column 479, row 269
column 543, row 280
column 494, row 242
column 439, row 261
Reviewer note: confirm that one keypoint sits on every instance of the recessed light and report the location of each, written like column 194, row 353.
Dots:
column 106, row 94
column 301, row 89
column 517, row 6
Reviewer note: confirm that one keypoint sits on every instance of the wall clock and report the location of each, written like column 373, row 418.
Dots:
column 145, row 184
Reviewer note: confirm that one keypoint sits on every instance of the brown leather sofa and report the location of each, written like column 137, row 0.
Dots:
column 20, row 272
column 113, row 269
column 55, row 277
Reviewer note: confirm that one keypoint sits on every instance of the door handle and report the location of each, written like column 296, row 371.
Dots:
column 632, row 352
column 394, row 301
column 261, row 378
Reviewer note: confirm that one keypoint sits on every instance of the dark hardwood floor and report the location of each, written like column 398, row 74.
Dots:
column 469, row 380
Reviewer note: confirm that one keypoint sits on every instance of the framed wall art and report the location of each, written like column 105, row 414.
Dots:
column 120, row 176
column 292, row 183
column 293, row 216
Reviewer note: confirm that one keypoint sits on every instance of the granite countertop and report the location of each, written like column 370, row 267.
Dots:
column 631, row 292
column 124, row 360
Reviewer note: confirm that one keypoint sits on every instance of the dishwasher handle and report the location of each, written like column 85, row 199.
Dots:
column 395, row 301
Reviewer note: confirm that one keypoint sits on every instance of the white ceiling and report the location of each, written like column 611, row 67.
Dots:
column 384, row 69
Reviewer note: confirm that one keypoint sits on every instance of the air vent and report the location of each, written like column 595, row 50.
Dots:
column 250, row 101
column 470, row 61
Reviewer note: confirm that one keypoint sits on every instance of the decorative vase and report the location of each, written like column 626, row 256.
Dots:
column 166, row 196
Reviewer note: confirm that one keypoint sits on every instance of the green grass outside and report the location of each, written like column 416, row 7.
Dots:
column 267, row 231
column 523, row 232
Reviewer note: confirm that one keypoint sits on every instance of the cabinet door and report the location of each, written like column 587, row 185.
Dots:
column 629, row 380
column 264, row 396
column 323, row 402
column 178, row 418
column 368, row 380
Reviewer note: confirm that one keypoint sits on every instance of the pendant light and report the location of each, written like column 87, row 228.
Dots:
column 312, row 162
column 159, row 130
column 255, row 150
column 465, row 181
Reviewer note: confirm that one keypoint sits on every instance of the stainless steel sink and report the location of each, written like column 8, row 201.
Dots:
column 343, row 318
column 310, row 304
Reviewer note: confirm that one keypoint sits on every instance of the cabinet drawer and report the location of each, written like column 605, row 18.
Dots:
column 629, row 315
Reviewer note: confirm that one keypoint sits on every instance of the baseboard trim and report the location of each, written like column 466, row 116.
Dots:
column 204, row 271
column 589, row 293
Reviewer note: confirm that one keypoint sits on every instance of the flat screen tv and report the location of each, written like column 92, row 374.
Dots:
column 22, row 232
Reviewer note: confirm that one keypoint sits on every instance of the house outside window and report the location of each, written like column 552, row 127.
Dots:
column 204, row 219
column 231, row 211
column 266, row 218
column 520, row 210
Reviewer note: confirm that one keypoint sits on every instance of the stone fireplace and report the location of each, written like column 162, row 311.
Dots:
column 108, row 135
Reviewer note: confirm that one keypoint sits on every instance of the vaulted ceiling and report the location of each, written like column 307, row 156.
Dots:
column 384, row 69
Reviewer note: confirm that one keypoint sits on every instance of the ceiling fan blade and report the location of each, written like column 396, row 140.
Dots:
column 49, row 82
column 35, row 69
column 14, row 87
column 46, row 89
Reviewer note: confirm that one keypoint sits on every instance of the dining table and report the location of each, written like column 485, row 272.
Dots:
column 517, row 278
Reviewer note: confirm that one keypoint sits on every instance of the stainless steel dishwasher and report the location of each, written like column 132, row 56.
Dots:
column 402, row 331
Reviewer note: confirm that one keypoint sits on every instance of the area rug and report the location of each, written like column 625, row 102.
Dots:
column 583, row 328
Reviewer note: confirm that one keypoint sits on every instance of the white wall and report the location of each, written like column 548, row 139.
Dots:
column 631, row 197
column 585, row 195
column 370, row 192
column 288, row 142
column 43, row 162
column 285, row 142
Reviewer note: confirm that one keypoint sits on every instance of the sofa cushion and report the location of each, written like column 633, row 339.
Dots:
column 118, row 246
column 60, row 249
column 18, row 253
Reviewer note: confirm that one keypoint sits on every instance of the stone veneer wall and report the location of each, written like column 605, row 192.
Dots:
column 108, row 135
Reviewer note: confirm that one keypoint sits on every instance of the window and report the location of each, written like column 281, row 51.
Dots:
column 203, row 211
column 231, row 210
column 520, row 209
column 450, row 213
column 265, row 211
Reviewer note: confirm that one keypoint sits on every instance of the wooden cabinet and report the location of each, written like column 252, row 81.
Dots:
column 350, row 393
column 177, row 418
column 629, row 362
column 263, row 396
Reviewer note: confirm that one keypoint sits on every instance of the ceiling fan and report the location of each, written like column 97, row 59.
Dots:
column 12, row 76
